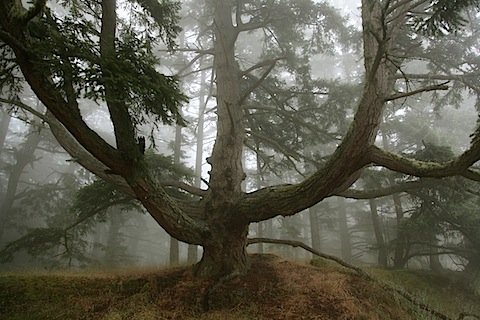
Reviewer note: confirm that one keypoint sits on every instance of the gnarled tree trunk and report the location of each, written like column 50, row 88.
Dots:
column 225, row 252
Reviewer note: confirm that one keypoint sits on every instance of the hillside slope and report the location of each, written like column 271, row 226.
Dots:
column 275, row 288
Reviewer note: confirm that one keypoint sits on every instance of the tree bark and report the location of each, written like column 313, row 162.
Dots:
column 225, row 253
column 23, row 157
column 314, row 227
column 343, row 230
column 434, row 257
column 174, row 244
column 4, row 129
column 224, row 248
column 400, row 242
column 382, row 250
column 192, row 255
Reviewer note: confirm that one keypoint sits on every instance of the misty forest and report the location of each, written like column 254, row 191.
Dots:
column 139, row 133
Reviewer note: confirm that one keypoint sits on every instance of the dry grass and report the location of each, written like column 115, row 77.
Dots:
column 274, row 289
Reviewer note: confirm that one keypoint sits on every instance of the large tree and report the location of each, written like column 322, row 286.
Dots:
column 89, row 51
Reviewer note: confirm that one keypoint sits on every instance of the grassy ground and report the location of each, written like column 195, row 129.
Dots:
column 274, row 289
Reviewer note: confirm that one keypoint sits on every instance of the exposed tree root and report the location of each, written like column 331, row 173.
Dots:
column 215, row 286
column 364, row 274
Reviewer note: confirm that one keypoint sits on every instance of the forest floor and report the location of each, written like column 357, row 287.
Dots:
column 275, row 288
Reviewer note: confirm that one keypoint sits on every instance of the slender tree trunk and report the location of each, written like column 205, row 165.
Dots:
column 174, row 245
column 343, row 229
column 260, row 235
column 400, row 243
column 23, row 157
column 4, row 129
column 192, row 256
column 382, row 252
column 259, row 184
column 314, row 227
column 112, row 253
column 434, row 258
column 174, row 252
column 3, row 196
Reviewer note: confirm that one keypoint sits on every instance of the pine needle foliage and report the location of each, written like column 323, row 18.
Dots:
column 444, row 16
column 68, row 48
column 62, row 242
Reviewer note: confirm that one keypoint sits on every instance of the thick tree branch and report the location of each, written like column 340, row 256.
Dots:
column 122, row 123
column 344, row 166
column 46, row 90
column 74, row 148
column 375, row 29
column 459, row 166
column 172, row 215
column 83, row 157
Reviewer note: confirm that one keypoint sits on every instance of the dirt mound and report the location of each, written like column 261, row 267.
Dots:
column 281, row 289
column 274, row 288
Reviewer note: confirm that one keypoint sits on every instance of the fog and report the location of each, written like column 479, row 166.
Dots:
column 47, row 223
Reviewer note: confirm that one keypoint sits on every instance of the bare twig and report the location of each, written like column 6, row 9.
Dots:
column 186, row 187
column 442, row 86
column 383, row 191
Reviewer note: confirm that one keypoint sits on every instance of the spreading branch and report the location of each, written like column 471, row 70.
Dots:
column 440, row 77
column 121, row 120
column 458, row 166
column 78, row 153
column 442, row 86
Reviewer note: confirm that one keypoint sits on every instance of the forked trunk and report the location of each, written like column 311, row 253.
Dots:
column 225, row 253
column 224, row 248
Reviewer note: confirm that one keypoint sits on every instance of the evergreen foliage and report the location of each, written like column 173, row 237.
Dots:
column 444, row 16
column 73, row 212
column 68, row 48
column 288, row 108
